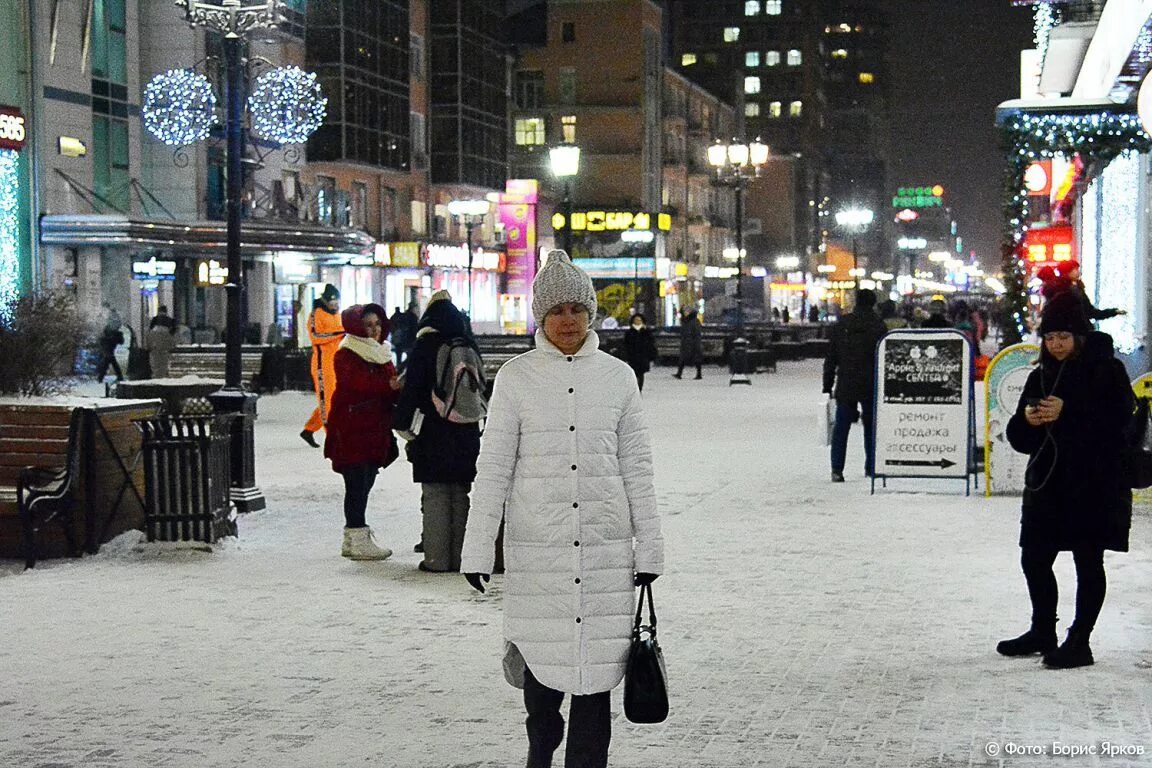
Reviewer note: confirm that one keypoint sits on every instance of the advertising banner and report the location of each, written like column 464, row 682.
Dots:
column 924, row 416
column 517, row 212
column 1004, row 468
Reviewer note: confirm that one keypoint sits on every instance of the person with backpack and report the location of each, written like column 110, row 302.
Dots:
column 360, row 441
column 1071, row 421
column 440, row 411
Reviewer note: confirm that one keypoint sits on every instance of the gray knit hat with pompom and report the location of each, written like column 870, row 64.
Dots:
column 560, row 281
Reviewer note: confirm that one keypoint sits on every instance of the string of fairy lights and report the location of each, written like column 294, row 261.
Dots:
column 1100, row 136
column 179, row 107
column 9, row 231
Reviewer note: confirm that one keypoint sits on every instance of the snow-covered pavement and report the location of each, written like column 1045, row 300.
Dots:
column 804, row 624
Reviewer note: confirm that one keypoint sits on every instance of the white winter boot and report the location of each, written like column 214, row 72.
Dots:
column 359, row 545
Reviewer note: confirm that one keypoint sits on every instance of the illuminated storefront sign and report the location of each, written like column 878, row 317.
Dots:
column 919, row 197
column 398, row 255
column 618, row 269
column 456, row 257
column 1048, row 246
column 912, row 243
column 295, row 269
column 13, row 128
column 210, row 272
column 154, row 269
column 612, row 221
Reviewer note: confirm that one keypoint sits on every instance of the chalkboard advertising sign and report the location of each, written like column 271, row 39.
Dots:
column 924, row 417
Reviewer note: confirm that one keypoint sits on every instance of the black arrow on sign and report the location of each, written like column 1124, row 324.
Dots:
column 942, row 463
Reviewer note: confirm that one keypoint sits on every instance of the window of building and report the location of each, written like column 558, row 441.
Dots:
column 418, row 125
column 774, row 7
column 752, row 59
column 688, row 59
column 731, row 34
column 109, row 53
column 529, row 131
column 866, row 78
column 568, row 128
column 529, row 88
column 360, row 204
column 796, row 108
column 775, row 109
column 567, row 85
column 110, row 158
column 772, row 58
column 416, row 56
column 751, row 85
column 752, row 7
column 795, row 58
column 840, row 53
column 326, row 200
column 752, row 109
column 568, row 32
column 419, row 217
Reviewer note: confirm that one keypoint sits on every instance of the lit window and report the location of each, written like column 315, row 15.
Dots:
column 568, row 127
column 751, row 7
column 529, row 131
column 774, row 109
column 839, row 53
column 731, row 34
column 796, row 108
column 772, row 58
column 751, row 85
column 866, row 78
column 774, row 7
column 687, row 59
column 751, row 109
column 795, row 58
column 752, row 59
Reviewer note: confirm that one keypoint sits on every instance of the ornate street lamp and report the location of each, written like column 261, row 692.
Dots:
column 855, row 221
column 565, row 161
column 736, row 164
column 472, row 213
column 286, row 107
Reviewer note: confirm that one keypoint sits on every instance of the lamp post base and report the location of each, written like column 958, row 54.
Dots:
column 738, row 362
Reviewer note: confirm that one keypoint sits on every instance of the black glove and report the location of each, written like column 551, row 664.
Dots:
column 474, row 580
column 643, row 579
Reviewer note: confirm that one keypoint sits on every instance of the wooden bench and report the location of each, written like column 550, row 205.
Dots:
column 106, row 487
column 207, row 361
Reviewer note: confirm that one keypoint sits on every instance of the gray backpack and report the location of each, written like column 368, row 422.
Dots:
column 459, row 392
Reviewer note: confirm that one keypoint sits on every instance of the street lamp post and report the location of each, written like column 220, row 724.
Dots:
column 637, row 240
column 855, row 221
column 565, row 161
column 472, row 213
column 736, row 164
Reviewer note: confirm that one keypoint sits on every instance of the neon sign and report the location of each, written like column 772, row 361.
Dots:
column 13, row 128
column 612, row 221
column 919, row 197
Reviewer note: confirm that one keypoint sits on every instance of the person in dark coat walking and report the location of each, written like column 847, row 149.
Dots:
column 404, row 325
column 1070, row 421
column 937, row 315
column 360, row 441
column 111, row 336
column 443, row 453
column 850, row 367
column 691, row 343
column 639, row 348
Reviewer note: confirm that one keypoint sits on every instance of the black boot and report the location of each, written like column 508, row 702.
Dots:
column 309, row 438
column 1041, row 638
column 1073, row 652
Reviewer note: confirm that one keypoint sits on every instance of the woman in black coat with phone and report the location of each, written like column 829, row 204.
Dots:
column 1070, row 421
column 639, row 348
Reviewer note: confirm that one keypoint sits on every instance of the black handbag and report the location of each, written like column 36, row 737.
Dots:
column 1136, row 458
column 645, row 679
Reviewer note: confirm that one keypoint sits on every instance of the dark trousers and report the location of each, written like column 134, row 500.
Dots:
column 845, row 415
column 108, row 359
column 589, row 726
column 358, row 481
column 1091, row 585
column 692, row 360
column 639, row 379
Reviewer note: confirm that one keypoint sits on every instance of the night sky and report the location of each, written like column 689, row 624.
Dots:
column 953, row 61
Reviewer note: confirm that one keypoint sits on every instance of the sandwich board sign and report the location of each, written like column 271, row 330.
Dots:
column 924, row 417
column 1003, row 385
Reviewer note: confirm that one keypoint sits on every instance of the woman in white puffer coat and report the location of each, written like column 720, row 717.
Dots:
column 566, row 460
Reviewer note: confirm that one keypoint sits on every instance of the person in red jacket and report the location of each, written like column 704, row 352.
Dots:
column 360, row 441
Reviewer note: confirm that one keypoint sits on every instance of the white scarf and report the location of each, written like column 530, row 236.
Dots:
column 370, row 350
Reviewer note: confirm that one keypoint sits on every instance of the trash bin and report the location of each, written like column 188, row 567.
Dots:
column 187, row 480
column 738, row 362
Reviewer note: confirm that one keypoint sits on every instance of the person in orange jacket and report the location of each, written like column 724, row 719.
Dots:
column 326, row 332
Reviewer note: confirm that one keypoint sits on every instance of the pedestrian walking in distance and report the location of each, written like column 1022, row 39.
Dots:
column 566, row 460
column 850, row 377
column 404, row 333
column 326, row 333
column 360, row 441
column 444, row 449
column 1070, row 421
column 691, row 343
column 639, row 348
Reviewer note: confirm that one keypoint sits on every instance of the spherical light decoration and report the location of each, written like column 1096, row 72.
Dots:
column 287, row 105
column 179, row 107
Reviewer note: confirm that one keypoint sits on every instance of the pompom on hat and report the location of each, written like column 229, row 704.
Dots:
column 560, row 281
column 1065, row 312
